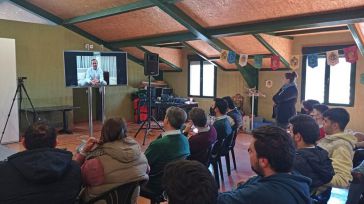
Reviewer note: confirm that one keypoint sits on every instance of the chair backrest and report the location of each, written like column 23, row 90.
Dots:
column 227, row 143
column 119, row 195
column 232, row 145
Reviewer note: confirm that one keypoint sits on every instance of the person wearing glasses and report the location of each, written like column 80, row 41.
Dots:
column 317, row 114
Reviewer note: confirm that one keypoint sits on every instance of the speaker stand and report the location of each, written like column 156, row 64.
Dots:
column 150, row 118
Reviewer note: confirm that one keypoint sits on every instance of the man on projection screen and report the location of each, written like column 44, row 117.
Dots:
column 94, row 75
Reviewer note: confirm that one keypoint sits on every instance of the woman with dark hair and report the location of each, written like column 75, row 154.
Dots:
column 307, row 106
column 112, row 161
column 285, row 100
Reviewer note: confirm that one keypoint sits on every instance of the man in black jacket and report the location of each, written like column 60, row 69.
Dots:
column 41, row 173
column 311, row 161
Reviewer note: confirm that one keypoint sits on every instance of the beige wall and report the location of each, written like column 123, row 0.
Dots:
column 39, row 56
column 228, row 84
column 265, row 104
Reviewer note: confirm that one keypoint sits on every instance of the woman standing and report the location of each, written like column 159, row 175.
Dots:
column 285, row 100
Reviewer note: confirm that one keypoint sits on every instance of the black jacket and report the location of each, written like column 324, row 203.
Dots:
column 280, row 188
column 285, row 102
column 46, row 175
column 315, row 164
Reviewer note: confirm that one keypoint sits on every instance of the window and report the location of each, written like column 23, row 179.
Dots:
column 201, row 78
column 331, row 85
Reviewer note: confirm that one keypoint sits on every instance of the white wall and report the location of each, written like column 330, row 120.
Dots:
column 8, row 85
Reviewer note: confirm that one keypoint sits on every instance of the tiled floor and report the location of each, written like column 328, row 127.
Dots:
column 243, row 171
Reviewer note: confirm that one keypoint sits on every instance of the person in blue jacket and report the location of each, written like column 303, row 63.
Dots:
column 272, row 154
column 285, row 100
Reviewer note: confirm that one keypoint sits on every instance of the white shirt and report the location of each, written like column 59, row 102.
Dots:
column 171, row 132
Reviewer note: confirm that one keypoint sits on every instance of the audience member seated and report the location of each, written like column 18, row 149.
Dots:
column 171, row 146
column 234, row 113
column 317, row 114
column 221, row 124
column 41, row 173
column 339, row 145
column 307, row 106
column 112, row 161
column 189, row 182
column 356, row 189
column 272, row 154
column 206, row 135
column 311, row 161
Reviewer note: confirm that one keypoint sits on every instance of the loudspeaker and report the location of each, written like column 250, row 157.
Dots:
column 151, row 64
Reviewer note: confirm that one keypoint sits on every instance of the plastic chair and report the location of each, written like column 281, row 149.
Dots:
column 119, row 195
column 225, row 150
column 215, row 160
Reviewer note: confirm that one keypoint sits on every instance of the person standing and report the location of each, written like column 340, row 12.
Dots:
column 285, row 100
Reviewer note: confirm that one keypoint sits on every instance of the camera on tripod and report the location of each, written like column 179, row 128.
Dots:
column 21, row 79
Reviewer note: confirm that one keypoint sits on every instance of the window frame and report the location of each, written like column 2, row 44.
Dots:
column 322, row 50
column 201, row 60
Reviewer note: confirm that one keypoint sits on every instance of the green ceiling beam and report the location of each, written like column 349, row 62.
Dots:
column 200, row 32
column 176, row 68
column 319, row 20
column 186, row 21
column 57, row 20
column 154, row 40
column 110, row 12
column 357, row 39
column 203, row 56
column 271, row 49
column 309, row 31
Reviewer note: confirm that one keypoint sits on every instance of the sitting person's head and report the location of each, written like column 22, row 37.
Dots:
column 271, row 151
column 307, row 106
column 229, row 102
column 317, row 113
column 40, row 135
column 304, row 130
column 174, row 119
column 219, row 107
column 198, row 117
column 113, row 129
column 189, row 182
column 335, row 120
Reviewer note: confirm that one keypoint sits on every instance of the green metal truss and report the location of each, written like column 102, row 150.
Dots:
column 200, row 32
column 110, row 12
column 319, row 20
column 356, row 36
column 271, row 49
column 75, row 29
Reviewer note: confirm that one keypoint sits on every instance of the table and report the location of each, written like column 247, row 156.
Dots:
column 161, row 107
column 63, row 109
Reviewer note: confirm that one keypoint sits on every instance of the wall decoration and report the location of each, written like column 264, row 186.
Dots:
column 275, row 62
column 231, row 57
column 268, row 83
column 332, row 57
column 294, row 62
column 223, row 55
column 243, row 60
column 312, row 60
column 258, row 59
column 351, row 54
column 362, row 78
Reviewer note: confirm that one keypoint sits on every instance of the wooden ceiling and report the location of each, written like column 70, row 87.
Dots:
column 203, row 26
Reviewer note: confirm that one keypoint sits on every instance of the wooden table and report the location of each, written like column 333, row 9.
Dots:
column 63, row 109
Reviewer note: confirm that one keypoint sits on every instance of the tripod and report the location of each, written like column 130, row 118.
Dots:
column 150, row 118
column 19, row 89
